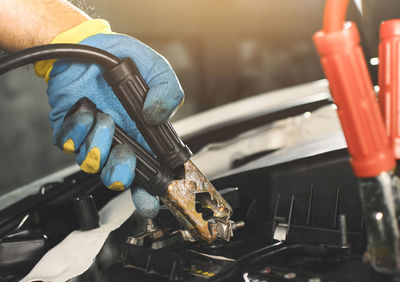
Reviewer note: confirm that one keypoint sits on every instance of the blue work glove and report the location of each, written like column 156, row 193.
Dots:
column 90, row 137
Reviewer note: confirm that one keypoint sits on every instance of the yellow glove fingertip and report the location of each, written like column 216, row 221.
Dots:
column 117, row 186
column 69, row 147
column 91, row 164
column 43, row 69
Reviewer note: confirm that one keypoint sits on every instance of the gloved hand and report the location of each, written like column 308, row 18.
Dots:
column 90, row 137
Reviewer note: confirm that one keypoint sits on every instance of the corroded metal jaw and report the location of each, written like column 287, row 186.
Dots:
column 192, row 199
column 379, row 196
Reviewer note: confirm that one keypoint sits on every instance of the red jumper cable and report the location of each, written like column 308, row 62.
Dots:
column 372, row 158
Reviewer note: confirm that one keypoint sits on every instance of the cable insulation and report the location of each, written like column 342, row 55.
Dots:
column 57, row 51
column 232, row 269
column 334, row 15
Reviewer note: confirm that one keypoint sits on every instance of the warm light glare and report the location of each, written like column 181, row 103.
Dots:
column 379, row 216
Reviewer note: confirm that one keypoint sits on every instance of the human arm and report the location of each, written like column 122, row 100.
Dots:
column 28, row 23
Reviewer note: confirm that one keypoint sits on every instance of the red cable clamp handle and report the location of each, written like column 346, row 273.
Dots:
column 389, row 78
column 345, row 68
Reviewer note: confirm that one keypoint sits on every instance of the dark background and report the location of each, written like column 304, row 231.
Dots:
column 221, row 50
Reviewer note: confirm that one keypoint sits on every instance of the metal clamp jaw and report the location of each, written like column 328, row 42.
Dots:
column 379, row 197
column 193, row 198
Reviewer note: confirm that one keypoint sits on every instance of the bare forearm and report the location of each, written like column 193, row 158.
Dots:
column 28, row 23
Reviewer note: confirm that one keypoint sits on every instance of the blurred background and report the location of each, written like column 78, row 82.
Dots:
column 221, row 50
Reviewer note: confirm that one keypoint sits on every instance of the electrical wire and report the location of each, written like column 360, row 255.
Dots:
column 232, row 269
column 221, row 258
column 334, row 15
column 251, row 258
column 57, row 51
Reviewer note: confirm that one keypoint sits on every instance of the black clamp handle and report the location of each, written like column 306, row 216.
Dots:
column 150, row 173
column 131, row 90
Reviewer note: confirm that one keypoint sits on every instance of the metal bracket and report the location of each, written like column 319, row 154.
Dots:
column 280, row 227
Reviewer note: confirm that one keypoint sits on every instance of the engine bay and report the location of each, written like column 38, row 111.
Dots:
column 302, row 221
